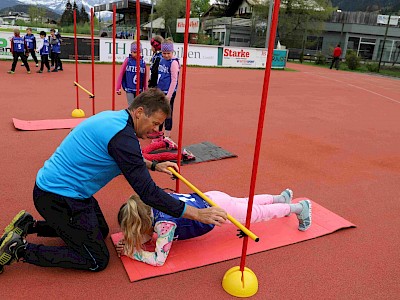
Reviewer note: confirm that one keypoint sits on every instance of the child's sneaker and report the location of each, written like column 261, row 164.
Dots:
column 54, row 70
column 170, row 143
column 19, row 224
column 37, row 65
column 22, row 65
column 9, row 248
column 288, row 195
column 48, row 70
column 305, row 216
column 29, row 72
column 40, row 71
column 10, row 72
column 187, row 155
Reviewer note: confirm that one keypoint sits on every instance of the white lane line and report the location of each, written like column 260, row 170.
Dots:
column 358, row 87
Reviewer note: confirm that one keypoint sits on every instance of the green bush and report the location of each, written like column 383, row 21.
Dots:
column 321, row 59
column 80, row 29
column 372, row 67
column 352, row 60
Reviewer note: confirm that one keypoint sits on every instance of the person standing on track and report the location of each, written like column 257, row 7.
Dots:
column 337, row 52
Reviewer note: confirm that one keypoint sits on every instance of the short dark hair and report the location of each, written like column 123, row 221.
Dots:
column 52, row 30
column 42, row 33
column 152, row 100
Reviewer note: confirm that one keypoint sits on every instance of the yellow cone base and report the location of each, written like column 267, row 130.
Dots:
column 78, row 113
column 232, row 282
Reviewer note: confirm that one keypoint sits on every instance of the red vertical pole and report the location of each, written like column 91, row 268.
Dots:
column 114, row 49
column 183, row 88
column 76, row 61
column 263, row 107
column 138, row 47
column 92, row 39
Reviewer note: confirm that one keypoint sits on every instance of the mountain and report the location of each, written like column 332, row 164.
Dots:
column 58, row 5
column 50, row 14
column 383, row 6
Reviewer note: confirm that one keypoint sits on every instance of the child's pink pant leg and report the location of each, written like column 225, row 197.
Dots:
column 263, row 207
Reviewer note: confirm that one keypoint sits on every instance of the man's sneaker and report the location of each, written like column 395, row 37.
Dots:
column 170, row 143
column 37, row 65
column 40, row 71
column 29, row 72
column 54, row 70
column 19, row 224
column 10, row 72
column 49, row 70
column 305, row 216
column 22, row 65
column 9, row 248
column 187, row 155
column 60, row 69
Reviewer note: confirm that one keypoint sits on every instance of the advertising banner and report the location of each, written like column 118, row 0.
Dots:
column 251, row 57
column 383, row 19
column 197, row 55
column 194, row 24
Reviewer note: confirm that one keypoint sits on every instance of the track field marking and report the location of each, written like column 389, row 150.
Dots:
column 352, row 85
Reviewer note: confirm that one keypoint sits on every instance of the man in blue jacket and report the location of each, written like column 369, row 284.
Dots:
column 95, row 152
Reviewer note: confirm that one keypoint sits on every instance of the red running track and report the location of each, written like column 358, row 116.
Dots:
column 330, row 135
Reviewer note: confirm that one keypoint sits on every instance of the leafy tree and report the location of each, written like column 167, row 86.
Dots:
column 33, row 13
column 83, row 15
column 41, row 13
column 67, row 18
column 198, row 7
column 170, row 10
column 298, row 19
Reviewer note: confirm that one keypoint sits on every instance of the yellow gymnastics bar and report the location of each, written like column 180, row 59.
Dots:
column 212, row 203
column 85, row 90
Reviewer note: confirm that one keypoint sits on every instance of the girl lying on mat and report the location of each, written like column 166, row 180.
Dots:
column 139, row 221
column 165, row 143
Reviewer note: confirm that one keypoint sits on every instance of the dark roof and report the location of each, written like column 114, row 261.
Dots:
column 123, row 7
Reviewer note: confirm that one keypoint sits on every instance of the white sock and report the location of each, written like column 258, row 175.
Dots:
column 296, row 208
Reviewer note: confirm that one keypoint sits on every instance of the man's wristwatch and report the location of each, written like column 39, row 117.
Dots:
column 153, row 165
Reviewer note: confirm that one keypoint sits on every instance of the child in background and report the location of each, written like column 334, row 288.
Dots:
column 168, row 74
column 44, row 53
column 19, row 49
column 55, row 44
column 138, row 221
column 168, row 144
column 30, row 41
column 128, row 74
column 155, row 60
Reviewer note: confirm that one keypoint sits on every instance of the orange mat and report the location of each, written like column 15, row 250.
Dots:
column 222, row 244
column 46, row 124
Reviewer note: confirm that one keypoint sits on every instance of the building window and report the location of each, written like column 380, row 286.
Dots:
column 391, row 52
column 363, row 46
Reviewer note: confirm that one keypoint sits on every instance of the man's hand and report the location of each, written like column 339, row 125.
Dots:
column 211, row 215
column 120, row 247
column 163, row 167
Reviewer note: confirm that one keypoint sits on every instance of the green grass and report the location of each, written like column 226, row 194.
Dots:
column 384, row 70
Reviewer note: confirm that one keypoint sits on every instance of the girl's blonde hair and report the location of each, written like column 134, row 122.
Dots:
column 134, row 217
